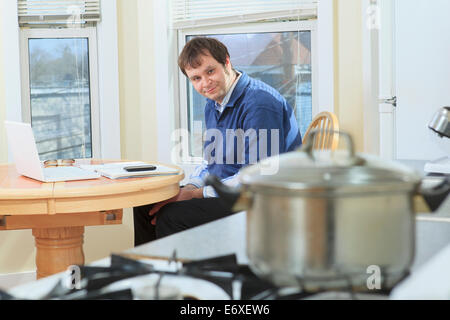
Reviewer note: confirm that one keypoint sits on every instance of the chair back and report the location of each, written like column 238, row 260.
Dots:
column 328, row 135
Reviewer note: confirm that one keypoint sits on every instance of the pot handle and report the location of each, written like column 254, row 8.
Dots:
column 237, row 200
column 435, row 196
column 225, row 193
column 309, row 146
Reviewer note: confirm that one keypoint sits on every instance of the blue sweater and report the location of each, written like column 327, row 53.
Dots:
column 257, row 122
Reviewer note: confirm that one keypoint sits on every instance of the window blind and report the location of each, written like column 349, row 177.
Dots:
column 197, row 13
column 31, row 12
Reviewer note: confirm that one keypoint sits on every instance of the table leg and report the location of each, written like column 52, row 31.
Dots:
column 57, row 249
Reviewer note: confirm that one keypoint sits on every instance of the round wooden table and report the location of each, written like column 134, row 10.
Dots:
column 58, row 212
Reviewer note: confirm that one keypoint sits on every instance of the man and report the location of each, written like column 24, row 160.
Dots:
column 240, row 111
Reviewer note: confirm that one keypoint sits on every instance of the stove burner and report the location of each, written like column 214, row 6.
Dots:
column 237, row 280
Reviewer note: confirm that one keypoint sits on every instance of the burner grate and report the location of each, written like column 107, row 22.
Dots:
column 237, row 280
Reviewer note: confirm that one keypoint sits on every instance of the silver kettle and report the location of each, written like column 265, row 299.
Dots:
column 441, row 122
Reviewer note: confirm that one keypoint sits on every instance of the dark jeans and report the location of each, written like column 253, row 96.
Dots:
column 175, row 217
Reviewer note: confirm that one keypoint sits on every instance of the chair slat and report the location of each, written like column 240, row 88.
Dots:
column 328, row 125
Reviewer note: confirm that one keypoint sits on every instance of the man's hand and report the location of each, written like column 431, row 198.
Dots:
column 186, row 193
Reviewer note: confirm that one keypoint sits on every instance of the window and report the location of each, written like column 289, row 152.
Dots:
column 59, row 91
column 279, row 53
column 103, row 63
column 59, row 75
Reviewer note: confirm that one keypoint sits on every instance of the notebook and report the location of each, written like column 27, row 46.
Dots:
column 26, row 158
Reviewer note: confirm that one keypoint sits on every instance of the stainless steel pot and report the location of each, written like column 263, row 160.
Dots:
column 330, row 220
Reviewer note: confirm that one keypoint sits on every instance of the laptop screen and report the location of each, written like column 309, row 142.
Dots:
column 23, row 147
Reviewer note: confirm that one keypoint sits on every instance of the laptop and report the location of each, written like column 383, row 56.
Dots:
column 26, row 158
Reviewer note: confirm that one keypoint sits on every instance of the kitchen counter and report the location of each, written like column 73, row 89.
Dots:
column 221, row 237
column 225, row 236
column 432, row 229
column 228, row 235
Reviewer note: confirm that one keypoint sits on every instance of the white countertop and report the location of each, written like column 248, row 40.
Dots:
column 222, row 237
column 228, row 235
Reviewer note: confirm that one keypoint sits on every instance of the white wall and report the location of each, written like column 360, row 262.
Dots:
column 17, row 251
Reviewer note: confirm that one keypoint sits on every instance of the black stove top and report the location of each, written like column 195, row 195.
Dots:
column 236, row 280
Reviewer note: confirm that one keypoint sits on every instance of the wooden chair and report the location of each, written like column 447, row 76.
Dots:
column 324, row 139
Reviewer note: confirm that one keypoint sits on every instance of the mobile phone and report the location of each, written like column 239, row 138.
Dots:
column 142, row 167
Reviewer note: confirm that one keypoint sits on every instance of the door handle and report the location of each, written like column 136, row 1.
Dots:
column 392, row 100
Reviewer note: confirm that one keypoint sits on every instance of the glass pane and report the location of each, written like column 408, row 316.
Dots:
column 60, row 97
column 280, row 59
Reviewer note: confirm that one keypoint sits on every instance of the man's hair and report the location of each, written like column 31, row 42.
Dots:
column 201, row 46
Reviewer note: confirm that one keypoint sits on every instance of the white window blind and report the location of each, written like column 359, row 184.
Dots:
column 32, row 12
column 198, row 13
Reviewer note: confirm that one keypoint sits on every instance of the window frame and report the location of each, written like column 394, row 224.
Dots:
column 181, row 106
column 53, row 33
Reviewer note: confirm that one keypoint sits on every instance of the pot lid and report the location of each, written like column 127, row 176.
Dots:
column 304, row 169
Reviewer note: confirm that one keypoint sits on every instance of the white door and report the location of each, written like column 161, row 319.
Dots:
column 422, row 74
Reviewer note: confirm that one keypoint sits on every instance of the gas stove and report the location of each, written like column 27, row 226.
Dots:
column 151, row 278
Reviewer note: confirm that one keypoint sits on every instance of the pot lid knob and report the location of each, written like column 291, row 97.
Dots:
column 350, row 160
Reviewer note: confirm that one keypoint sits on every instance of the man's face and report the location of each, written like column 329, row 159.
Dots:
column 211, row 79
